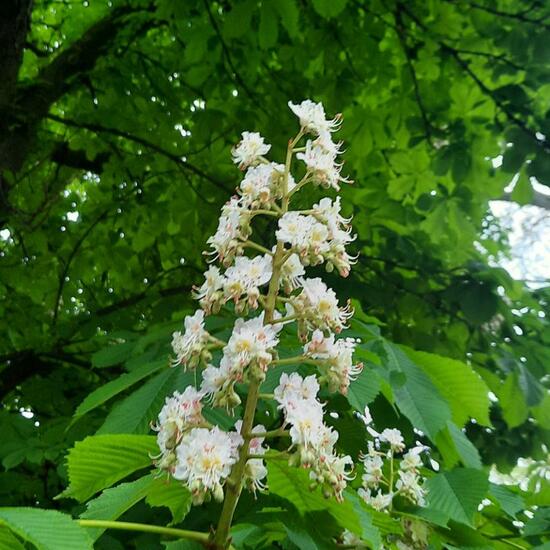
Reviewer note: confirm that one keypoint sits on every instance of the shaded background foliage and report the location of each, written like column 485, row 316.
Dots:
column 116, row 122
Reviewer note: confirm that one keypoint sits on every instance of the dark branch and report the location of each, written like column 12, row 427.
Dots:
column 15, row 16
column 455, row 54
column 412, row 72
column 29, row 103
column 67, row 265
column 98, row 128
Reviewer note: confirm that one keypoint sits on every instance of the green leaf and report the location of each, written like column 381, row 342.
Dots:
column 416, row 396
column 299, row 535
column 114, row 387
column 364, row 389
column 293, row 484
column 8, row 541
column 289, row 14
column 367, row 530
column 509, row 501
column 541, row 412
column 512, row 402
column 183, row 545
column 458, row 493
column 463, row 388
column 269, row 27
column 101, row 460
column 237, row 21
column 329, row 8
column 46, row 529
column 112, row 355
column 454, row 446
column 172, row 494
column 532, row 389
column 523, row 190
column 539, row 523
column 478, row 302
column 112, row 503
column 138, row 410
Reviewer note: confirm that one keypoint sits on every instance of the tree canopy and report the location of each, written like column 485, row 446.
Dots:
column 117, row 120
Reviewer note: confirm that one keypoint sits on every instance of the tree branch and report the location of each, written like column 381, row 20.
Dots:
column 98, row 128
column 70, row 258
column 31, row 102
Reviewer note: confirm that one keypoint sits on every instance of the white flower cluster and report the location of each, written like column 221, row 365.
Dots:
column 337, row 360
column 271, row 279
column 314, row 440
column 317, row 308
column 190, row 347
column 528, row 474
column 250, row 149
column 319, row 237
column 251, row 345
column 382, row 481
column 320, row 154
column 200, row 455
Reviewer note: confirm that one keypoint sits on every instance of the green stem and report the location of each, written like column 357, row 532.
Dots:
column 279, row 432
column 234, row 482
column 146, row 528
column 265, row 212
column 285, row 319
column 297, row 359
column 258, row 247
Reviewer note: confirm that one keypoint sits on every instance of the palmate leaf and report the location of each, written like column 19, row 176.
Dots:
column 112, row 503
column 465, row 391
column 458, row 493
column 45, row 529
column 101, row 460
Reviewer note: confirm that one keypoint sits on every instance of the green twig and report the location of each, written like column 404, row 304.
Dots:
column 146, row 528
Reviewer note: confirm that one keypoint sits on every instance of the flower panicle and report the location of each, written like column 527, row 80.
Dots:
column 268, row 288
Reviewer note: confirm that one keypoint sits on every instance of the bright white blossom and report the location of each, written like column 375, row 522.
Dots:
column 379, row 501
column 231, row 232
column 314, row 440
column 381, row 480
column 246, row 276
column 337, row 357
column 209, row 293
column 189, row 346
column 251, row 343
column 291, row 273
column 180, row 412
column 204, row 461
column 250, row 149
column 263, row 184
column 394, row 438
column 528, row 474
column 317, row 308
column 322, row 166
column 293, row 389
column 409, row 486
column 312, row 117
column 255, row 471
column 366, row 417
